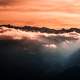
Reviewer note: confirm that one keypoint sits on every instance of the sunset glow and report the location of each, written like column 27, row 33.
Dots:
column 48, row 13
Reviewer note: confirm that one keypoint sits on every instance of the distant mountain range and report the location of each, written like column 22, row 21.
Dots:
column 42, row 29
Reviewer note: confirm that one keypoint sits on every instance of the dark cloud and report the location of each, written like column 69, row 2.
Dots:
column 57, row 39
column 8, row 2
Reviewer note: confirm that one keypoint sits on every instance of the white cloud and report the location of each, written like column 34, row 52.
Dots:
column 65, row 43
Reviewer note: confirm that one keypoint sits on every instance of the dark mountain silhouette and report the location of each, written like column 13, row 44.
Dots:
column 42, row 29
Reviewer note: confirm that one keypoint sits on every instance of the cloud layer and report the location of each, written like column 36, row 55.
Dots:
column 67, row 41
column 9, row 2
column 34, row 52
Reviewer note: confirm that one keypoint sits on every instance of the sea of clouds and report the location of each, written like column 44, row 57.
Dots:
column 40, row 51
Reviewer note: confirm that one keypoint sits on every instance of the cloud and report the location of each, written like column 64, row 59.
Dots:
column 13, row 2
column 38, row 51
column 51, row 41
column 19, row 34
column 7, row 2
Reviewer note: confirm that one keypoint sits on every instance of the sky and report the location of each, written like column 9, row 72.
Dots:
column 48, row 13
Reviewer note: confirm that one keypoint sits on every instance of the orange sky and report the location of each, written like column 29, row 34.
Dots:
column 50, row 13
